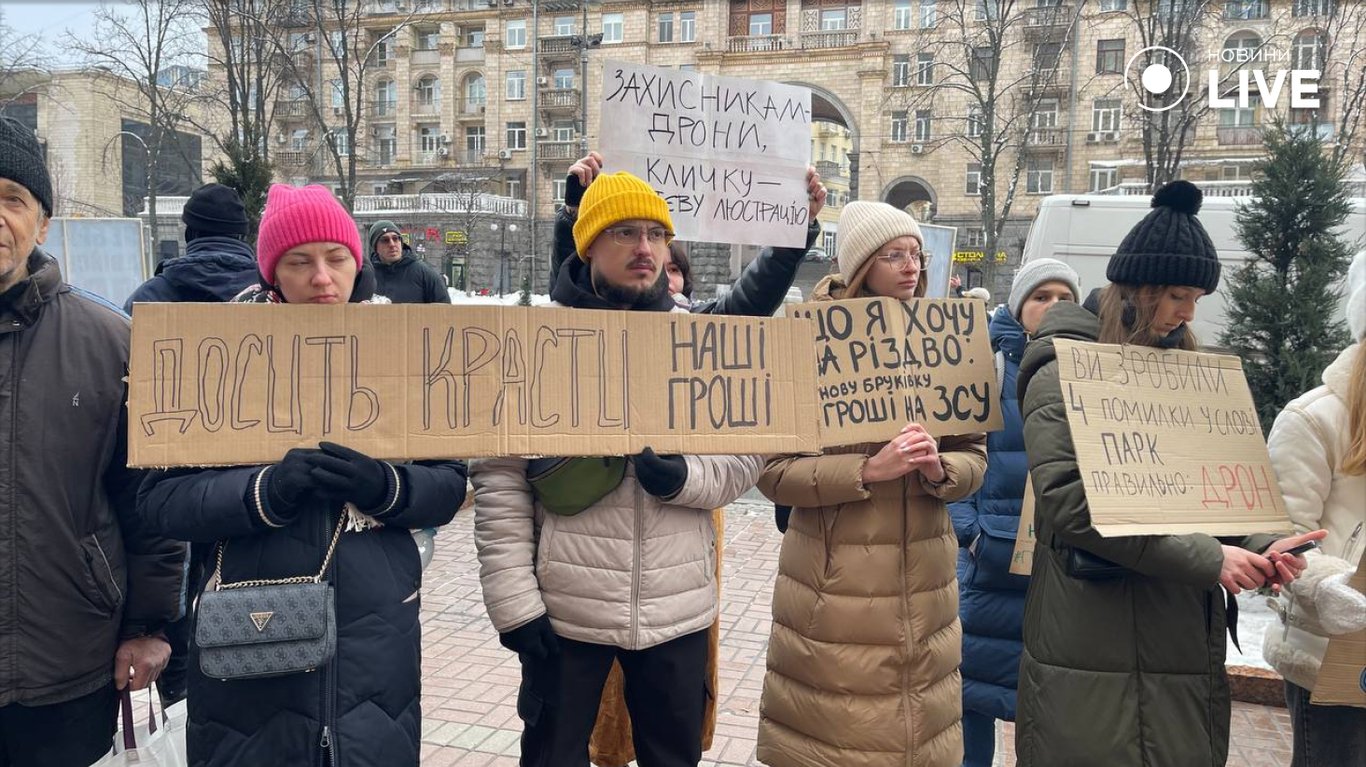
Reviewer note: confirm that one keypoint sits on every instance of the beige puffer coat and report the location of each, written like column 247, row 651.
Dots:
column 865, row 646
column 631, row 571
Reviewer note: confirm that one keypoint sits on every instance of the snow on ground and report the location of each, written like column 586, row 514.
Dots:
column 507, row 299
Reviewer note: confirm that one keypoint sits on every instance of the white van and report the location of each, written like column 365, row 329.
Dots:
column 1085, row 229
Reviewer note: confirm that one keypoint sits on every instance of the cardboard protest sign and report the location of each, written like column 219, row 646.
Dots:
column 729, row 155
column 1022, row 559
column 882, row 363
column 1342, row 676
column 1168, row 442
column 242, row 383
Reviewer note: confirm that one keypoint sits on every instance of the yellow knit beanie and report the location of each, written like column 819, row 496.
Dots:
column 616, row 197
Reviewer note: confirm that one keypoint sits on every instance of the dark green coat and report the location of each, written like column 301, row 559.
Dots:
column 1120, row 672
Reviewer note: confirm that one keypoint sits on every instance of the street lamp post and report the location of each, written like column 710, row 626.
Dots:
column 503, row 253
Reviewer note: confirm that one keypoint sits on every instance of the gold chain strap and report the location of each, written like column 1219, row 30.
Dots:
column 327, row 560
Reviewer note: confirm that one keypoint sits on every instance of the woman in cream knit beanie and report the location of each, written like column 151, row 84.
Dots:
column 864, row 229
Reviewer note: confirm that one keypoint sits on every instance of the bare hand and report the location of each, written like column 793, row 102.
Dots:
column 139, row 661
column 911, row 450
column 587, row 168
column 815, row 192
column 955, row 282
column 1288, row 568
column 1243, row 570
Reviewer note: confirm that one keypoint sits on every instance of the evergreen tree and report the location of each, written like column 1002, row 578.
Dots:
column 1283, row 303
column 247, row 171
column 525, row 298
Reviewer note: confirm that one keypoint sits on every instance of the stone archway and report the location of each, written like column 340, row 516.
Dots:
column 914, row 195
column 828, row 107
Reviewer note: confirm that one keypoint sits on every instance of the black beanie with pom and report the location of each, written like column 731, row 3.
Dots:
column 1169, row 246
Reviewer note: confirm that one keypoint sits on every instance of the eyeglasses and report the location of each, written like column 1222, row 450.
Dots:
column 391, row 239
column 628, row 236
column 897, row 259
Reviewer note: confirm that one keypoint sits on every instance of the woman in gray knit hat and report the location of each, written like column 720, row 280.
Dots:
column 1123, row 661
column 863, row 656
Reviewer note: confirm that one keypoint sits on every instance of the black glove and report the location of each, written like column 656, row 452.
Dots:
column 340, row 472
column 288, row 483
column 573, row 191
column 534, row 640
column 661, row 475
column 781, row 515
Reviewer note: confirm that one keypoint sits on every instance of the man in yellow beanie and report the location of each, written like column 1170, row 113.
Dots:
column 626, row 573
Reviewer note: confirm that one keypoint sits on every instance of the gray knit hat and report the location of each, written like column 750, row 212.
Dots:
column 1169, row 246
column 1034, row 273
column 866, row 226
column 1356, row 297
column 21, row 161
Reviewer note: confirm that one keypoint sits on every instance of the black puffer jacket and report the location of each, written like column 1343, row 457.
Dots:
column 78, row 572
column 213, row 270
column 409, row 280
column 758, row 292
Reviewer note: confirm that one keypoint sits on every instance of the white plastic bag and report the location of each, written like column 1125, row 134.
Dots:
column 159, row 742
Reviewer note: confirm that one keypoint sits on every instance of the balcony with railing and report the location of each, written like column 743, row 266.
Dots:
column 471, row 109
column 294, row 158
column 831, row 171
column 286, row 108
column 1047, row 19
column 425, row 57
column 559, row 45
column 1238, row 136
column 1046, row 138
column 830, row 39
column 559, row 99
column 469, row 54
column 429, row 156
column 755, row 43
column 383, row 108
column 426, row 108
column 551, row 151
column 440, row 203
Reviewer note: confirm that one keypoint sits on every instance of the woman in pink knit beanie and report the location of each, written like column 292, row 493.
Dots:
column 308, row 250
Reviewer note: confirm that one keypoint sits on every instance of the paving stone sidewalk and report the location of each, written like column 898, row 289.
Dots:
column 470, row 682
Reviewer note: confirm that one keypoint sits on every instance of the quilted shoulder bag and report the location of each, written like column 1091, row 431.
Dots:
column 265, row 628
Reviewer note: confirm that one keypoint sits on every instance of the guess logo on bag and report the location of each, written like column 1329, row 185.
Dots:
column 261, row 619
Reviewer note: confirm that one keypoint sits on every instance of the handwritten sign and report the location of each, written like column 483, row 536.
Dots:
column 883, row 363
column 240, row 383
column 1168, row 442
column 1022, row 559
column 729, row 155
column 1342, row 676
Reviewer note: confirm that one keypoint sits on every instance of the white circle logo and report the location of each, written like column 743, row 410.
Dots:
column 1160, row 77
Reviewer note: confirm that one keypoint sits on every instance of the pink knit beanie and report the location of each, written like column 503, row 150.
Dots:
column 300, row 215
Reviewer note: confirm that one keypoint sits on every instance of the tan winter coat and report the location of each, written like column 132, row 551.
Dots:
column 631, row 571
column 865, row 646
column 1307, row 444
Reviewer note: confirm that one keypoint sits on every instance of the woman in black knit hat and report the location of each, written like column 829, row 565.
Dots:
column 1123, row 661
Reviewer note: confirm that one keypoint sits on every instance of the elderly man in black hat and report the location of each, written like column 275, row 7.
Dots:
column 84, row 589
column 218, row 263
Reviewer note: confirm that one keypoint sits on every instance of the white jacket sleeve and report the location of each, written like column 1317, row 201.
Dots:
column 716, row 480
column 505, row 537
column 1303, row 459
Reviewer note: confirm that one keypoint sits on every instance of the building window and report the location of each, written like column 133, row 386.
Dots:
column 340, row 140
column 428, row 138
column 972, row 182
column 1104, row 178
column 564, row 79
column 1046, row 55
column 1312, row 8
column 386, row 144
column 975, row 122
column 512, row 187
column 1238, row 117
column 1110, row 57
column 1113, row 5
column 923, row 125
column 429, row 92
column 1105, row 114
column 983, row 63
column 474, row 141
column 1045, row 115
column 760, row 24
column 901, row 14
column 557, row 188
column 613, row 27
column 1245, row 9
column 988, row 10
column 899, row 127
column 666, row 27
column 476, row 95
column 833, row 19
column 1308, row 50
column 382, row 52
column 687, row 27
column 974, row 237
column 297, row 91
column 1039, row 176
column 338, row 94
column 386, row 98
column 516, row 135
column 426, row 39
column 515, row 34
column 563, row 130
column 298, row 140
column 564, row 25
column 516, row 85
column 687, row 67
column 828, row 239
column 474, row 37
column 924, row 69
column 929, row 14
column 901, row 71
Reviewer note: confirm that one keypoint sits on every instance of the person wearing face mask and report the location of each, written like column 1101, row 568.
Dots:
column 326, row 504
column 991, row 600
column 864, row 651
column 1123, row 659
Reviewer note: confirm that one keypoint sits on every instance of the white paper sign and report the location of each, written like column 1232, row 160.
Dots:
column 729, row 155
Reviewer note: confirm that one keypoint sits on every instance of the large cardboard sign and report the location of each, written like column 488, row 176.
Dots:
column 1168, row 442
column 1342, row 676
column 242, row 383
column 883, row 363
column 729, row 155
column 1022, row 559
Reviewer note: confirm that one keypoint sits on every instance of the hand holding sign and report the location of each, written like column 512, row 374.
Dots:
column 815, row 191
column 908, row 451
column 581, row 174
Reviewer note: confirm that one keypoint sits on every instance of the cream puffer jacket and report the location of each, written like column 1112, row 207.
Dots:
column 631, row 571
column 1307, row 443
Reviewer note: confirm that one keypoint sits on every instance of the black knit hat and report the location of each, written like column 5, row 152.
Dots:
column 1169, row 246
column 21, row 161
column 214, row 209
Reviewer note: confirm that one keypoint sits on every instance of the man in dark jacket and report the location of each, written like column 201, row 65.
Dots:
column 403, row 278
column 218, row 263
column 84, row 588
